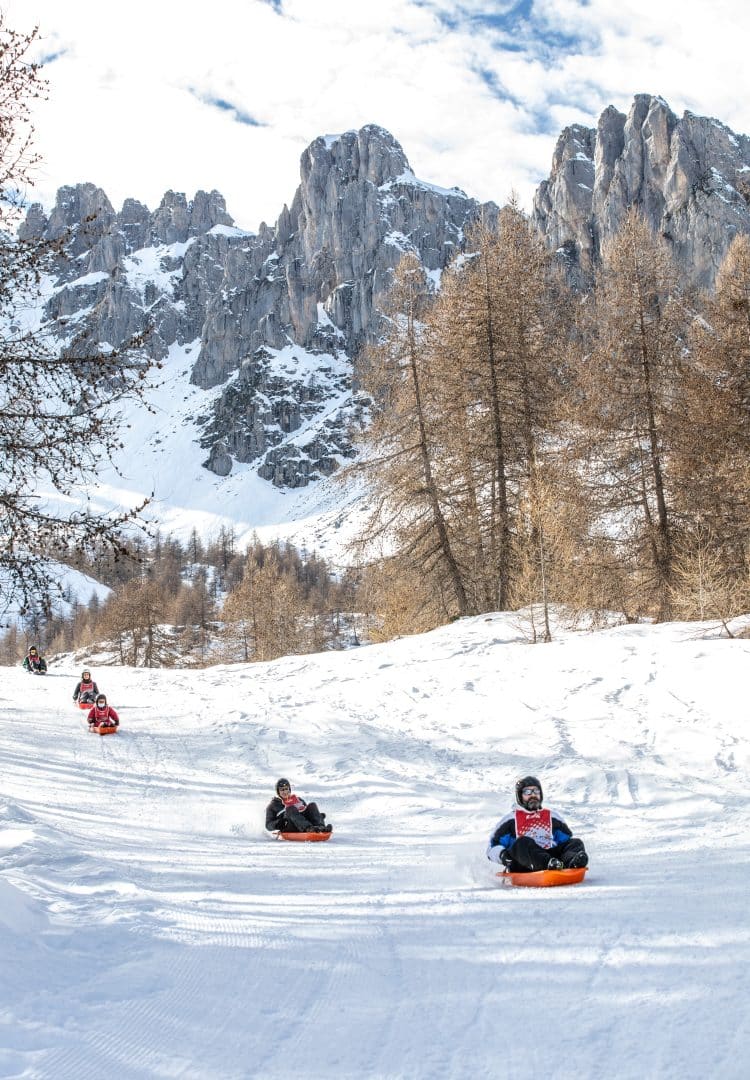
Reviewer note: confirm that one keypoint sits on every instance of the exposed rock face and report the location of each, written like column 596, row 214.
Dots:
column 690, row 177
column 120, row 274
column 315, row 281
column 358, row 208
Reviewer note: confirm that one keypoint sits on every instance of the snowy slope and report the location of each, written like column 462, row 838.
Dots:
column 73, row 587
column 149, row 927
column 163, row 460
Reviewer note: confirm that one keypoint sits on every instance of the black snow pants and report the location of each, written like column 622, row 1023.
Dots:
column 526, row 854
column 306, row 820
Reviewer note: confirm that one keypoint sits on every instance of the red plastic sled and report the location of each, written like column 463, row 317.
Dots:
column 103, row 729
column 306, row 836
column 85, row 705
column 542, row 879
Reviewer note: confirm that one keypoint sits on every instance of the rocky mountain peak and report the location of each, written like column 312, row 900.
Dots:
column 688, row 176
column 82, row 214
column 176, row 219
column 274, row 319
column 370, row 154
column 267, row 327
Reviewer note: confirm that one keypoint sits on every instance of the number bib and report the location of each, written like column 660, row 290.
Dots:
column 537, row 824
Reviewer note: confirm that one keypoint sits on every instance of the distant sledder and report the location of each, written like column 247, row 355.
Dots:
column 533, row 844
column 34, row 663
column 294, row 819
column 86, row 691
column 103, row 719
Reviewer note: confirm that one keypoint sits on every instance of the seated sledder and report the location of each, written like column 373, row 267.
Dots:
column 34, row 663
column 102, row 714
column 86, row 690
column 287, row 812
column 530, row 838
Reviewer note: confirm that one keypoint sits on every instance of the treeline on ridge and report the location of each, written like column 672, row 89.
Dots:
column 176, row 604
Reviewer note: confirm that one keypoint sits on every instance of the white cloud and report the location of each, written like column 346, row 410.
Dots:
column 130, row 95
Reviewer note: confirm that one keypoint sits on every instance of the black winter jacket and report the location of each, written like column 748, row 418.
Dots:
column 275, row 812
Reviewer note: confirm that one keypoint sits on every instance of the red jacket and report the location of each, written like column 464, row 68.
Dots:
column 107, row 715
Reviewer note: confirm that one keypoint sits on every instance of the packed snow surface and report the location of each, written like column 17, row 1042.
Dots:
column 150, row 927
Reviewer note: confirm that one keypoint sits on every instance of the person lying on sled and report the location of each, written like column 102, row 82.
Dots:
column 531, row 838
column 86, row 690
column 287, row 812
column 102, row 714
column 34, row 663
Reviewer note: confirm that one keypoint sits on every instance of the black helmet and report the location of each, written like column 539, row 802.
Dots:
column 282, row 782
column 99, row 699
column 33, row 649
column 528, row 781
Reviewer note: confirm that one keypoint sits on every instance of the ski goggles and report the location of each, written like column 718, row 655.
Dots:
column 527, row 792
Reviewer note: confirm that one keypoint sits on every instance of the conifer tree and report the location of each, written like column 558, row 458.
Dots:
column 402, row 446
column 266, row 614
column 630, row 376
column 133, row 617
column 715, row 464
column 498, row 329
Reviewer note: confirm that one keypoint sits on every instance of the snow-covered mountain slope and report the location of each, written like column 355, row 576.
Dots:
column 150, row 927
column 273, row 321
column 74, row 587
column 163, row 458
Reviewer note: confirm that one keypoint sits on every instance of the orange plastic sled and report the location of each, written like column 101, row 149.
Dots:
column 85, row 705
column 542, row 879
column 104, row 729
column 307, row 836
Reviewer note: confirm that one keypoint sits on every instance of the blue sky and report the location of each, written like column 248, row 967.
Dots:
column 164, row 94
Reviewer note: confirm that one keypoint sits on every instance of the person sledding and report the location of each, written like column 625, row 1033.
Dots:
column 531, row 837
column 34, row 662
column 102, row 714
column 288, row 812
column 86, row 689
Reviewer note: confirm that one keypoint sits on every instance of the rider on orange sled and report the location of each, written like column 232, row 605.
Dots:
column 531, row 838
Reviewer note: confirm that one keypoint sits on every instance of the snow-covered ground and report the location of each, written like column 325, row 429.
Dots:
column 149, row 927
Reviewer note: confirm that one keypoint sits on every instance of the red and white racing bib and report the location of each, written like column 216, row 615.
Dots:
column 537, row 824
column 295, row 802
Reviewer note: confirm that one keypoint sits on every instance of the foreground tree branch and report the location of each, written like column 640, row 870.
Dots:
column 59, row 399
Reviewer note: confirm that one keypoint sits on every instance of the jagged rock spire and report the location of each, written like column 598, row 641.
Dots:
column 690, row 177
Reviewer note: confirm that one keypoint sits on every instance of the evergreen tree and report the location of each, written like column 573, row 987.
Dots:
column 714, row 467
column 401, row 450
column 630, row 376
column 498, row 332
